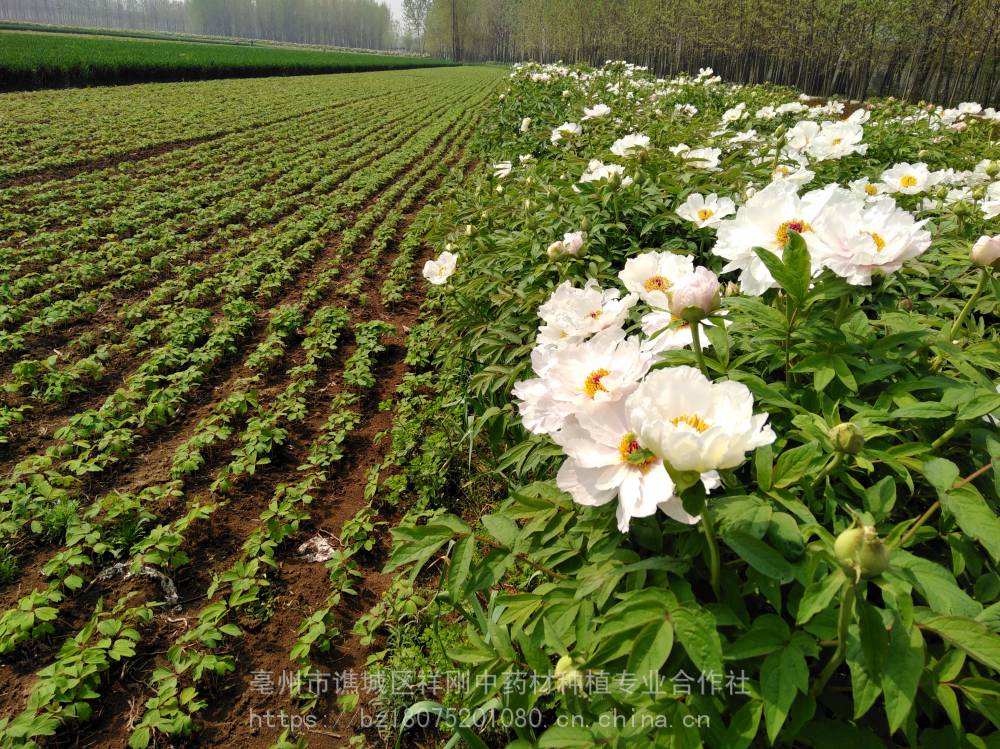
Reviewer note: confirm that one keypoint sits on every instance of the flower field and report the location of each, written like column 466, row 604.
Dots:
column 716, row 419
column 545, row 407
column 205, row 323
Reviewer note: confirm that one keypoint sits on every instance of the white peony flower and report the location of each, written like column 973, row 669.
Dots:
column 598, row 171
column 597, row 469
column 694, row 424
column 991, row 203
column 630, row 145
column 570, row 314
column 570, row 244
column 706, row 211
column 596, row 112
column 986, row 251
column 573, row 379
column 735, row 113
column 792, row 107
column 836, row 140
column 651, row 275
column 908, row 179
column 860, row 239
column 439, row 270
column 764, row 221
column 697, row 291
column 680, row 149
column 565, row 130
column 703, row 158
column 792, row 174
column 864, row 188
column 525, row 124
column 801, row 135
column 502, row 169
column 686, row 109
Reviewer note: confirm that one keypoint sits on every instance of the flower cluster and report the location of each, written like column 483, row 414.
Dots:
column 623, row 426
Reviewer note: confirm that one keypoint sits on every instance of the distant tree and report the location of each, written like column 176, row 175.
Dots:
column 415, row 19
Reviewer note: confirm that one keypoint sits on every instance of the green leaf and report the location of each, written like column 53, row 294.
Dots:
column 798, row 265
column 941, row 473
column 743, row 727
column 651, row 648
column 140, row 738
column 793, row 464
column 970, row 636
column 818, row 595
column 975, row 517
column 760, row 556
column 880, row 498
column 781, row 676
column 458, row 569
column 697, row 631
column 502, row 528
column 922, row 411
column 564, row 737
column 936, row 584
column 904, row 663
column 874, row 638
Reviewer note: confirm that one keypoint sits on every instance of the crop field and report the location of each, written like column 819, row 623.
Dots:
column 30, row 59
column 203, row 324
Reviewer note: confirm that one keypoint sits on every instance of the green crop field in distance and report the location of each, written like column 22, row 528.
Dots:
column 43, row 60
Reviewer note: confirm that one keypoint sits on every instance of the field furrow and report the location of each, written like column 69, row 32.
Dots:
column 192, row 397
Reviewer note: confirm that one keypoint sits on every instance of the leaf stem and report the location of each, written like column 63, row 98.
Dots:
column 843, row 622
column 945, row 436
column 696, row 345
column 788, row 343
column 984, row 276
column 713, row 551
column 827, row 469
column 937, row 503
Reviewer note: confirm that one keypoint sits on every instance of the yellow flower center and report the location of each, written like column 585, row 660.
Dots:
column 781, row 236
column 629, row 445
column 657, row 283
column 692, row 420
column 908, row 181
column 783, row 171
column 879, row 242
column 705, row 214
column 837, row 141
column 593, row 382
column 596, row 314
column 871, row 189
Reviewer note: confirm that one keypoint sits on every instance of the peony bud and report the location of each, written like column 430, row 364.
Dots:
column 695, row 296
column 468, row 230
column 572, row 242
column 847, row 438
column 986, row 251
column 567, row 675
column 861, row 552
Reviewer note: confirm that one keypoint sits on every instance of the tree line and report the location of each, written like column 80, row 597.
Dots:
column 364, row 24
column 938, row 50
